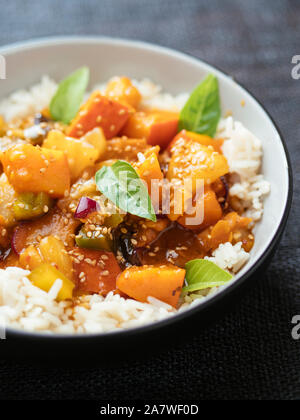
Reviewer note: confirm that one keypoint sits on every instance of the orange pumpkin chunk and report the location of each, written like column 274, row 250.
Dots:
column 125, row 149
column 161, row 282
column 158, row 127
column 34, row 169
column 150, row 170
column 81, row 153
column 122, row 90
column 192, row 160
column 199, row 138
column 95, row 271
column 232, row 228
column 212, row 212
column 100, row 111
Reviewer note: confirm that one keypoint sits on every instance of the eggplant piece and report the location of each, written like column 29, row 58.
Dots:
column 224, row 181
column 125, row 247
column 39, row 130
column 40, row 118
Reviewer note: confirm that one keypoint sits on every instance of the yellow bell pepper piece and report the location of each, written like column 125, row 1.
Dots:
column 30, row 258
column 54, row 252
column 46, row 275
column 81, row 153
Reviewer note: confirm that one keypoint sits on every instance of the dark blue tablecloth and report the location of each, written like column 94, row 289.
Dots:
column 249, row 353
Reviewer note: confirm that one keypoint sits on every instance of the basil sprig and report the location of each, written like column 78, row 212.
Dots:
column 204, row 274
column 69, row 95
column 121, row 184
column 202, row 112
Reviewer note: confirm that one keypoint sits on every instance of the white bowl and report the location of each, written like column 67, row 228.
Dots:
column 176, row 72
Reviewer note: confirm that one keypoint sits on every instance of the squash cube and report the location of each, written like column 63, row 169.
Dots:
column 95, row 271
column 191, row 160
column 161, row 282
column 34, row 169
column 158, row 127
column 199, row 138
column 100, row 111
column 122, row 90
column 81, row 153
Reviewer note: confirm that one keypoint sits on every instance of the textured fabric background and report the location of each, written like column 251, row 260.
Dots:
column 249, row 353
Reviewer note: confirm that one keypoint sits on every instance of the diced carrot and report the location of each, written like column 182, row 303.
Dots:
column 100, row 111
column 34, row 169
column 199, row 138
column 122, row 90
column 212, row 212
column 95, row 271
column 158, row 127
column 161, row 282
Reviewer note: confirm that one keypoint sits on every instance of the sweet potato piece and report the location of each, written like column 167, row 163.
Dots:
column 81, row 153
column 158, row 127
column 212, row 212
column 100, row 270
column 100, row 111
column 55, row 223
column 122, row 90
column 161, row 282
column 192, row 160
column 34, row 169
column 199, row 138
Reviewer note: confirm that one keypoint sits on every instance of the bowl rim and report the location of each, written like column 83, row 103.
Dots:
column 215, row 299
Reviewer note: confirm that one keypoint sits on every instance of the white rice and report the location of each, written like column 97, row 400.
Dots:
column 230, row 257
column 243, row 152
column 27, row 102
column 27, row 307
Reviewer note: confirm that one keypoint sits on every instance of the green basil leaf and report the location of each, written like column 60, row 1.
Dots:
column 69, row 95
column 121, row 184
column 202, row 112
column 204, row 274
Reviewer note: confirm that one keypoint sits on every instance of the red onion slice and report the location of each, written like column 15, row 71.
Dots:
column 86, row 206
